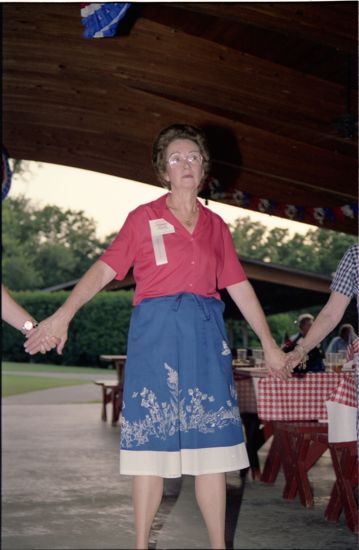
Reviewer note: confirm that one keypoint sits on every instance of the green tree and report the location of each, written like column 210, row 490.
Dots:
column 56, row 261
column 328, row 248
column 72, row 231
column 319, row 250
column 45, row 246
column 19, row 272
column 19, row 242
column 249, row 238
column 21, row 167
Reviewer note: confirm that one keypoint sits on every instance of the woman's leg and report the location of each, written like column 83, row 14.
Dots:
column 146, row 496
column 211, row 498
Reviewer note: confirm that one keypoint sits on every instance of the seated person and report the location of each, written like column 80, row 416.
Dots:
column 314, row 362
column 346, row 336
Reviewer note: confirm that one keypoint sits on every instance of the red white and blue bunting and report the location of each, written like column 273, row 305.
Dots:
column 101, row 20
column 6, row 174
column 318, row 215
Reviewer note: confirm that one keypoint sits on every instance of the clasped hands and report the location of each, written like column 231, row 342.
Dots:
column 280, row 364
column 49, row 334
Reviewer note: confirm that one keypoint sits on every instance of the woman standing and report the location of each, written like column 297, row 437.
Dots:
column 180, row 412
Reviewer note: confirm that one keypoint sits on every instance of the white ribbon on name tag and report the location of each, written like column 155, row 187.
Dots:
column 159, row 228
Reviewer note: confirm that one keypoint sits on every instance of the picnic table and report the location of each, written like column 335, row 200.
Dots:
column 298, row 410
column 112, row 390
column 118, row 361
column 301, row 398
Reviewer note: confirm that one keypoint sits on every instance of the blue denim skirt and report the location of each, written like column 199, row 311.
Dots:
column 180, row 411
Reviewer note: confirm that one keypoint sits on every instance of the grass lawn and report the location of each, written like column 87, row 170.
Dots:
column 13, row 385
column 33, row 367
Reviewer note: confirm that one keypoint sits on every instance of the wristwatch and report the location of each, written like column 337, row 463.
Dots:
column 28, row 325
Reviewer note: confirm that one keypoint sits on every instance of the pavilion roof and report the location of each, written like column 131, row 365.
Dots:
column 274, row 85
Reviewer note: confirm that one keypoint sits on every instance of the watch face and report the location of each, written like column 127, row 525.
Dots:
column 28, row 325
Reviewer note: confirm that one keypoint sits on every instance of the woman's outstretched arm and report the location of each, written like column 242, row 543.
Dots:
column 247, row 302
column 40, row 340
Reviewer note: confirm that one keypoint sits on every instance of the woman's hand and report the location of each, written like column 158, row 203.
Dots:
column 293, row 358
column 49, row 334
column 52, row 332
column 246, row 300
column 275, row 360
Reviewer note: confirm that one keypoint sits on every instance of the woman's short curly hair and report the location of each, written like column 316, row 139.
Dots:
column 171, row 133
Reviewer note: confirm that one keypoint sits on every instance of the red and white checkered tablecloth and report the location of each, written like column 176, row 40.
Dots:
column 297, row 398
column 346, row 392
column 247, row 399
column 246, row 392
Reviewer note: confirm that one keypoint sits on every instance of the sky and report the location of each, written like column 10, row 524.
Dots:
column 108, row 199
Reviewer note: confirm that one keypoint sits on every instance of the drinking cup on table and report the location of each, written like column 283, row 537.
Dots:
column 330, row 360
column 242, row 355
column 258, row 355
column 342, row 356
column 340, row 360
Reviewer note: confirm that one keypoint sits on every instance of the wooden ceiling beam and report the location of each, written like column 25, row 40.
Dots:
column 125, row 158
column 298, row 52
column 332, row 23
column 238, row 145
column 123, row 153
column 281, row 123
column 152, row 51
column 237, row 94
column 98, row 104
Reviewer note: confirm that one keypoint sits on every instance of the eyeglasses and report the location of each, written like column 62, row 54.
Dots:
column 194, row 158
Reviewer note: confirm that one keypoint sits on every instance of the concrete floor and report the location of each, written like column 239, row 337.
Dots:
column 62, row 489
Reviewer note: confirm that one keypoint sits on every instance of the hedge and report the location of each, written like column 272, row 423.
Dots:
column 100, row 327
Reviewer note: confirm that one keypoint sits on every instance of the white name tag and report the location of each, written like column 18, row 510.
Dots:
column 159, row 228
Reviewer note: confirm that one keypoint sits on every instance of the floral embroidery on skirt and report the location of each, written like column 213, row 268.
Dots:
column 179, row 393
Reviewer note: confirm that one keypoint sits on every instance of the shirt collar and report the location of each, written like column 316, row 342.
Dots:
column 159, row 208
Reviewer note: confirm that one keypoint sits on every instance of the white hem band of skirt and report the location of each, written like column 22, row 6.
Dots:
column 184, row 462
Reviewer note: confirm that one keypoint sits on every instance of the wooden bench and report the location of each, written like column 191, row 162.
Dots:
column 118, row 361
column 345, row 461
column 296, row 447
column 112, row 392
column 301, row 446
column 272, row 463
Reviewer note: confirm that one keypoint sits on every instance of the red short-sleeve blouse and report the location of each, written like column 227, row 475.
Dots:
column 167, row 259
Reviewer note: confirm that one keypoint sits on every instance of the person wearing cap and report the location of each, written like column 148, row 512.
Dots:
column 314, row 360
column 180, row 411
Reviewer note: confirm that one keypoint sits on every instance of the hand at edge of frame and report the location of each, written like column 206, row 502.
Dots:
column 49, row 334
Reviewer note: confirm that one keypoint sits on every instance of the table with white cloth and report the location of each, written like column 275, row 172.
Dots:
column 297, row 409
